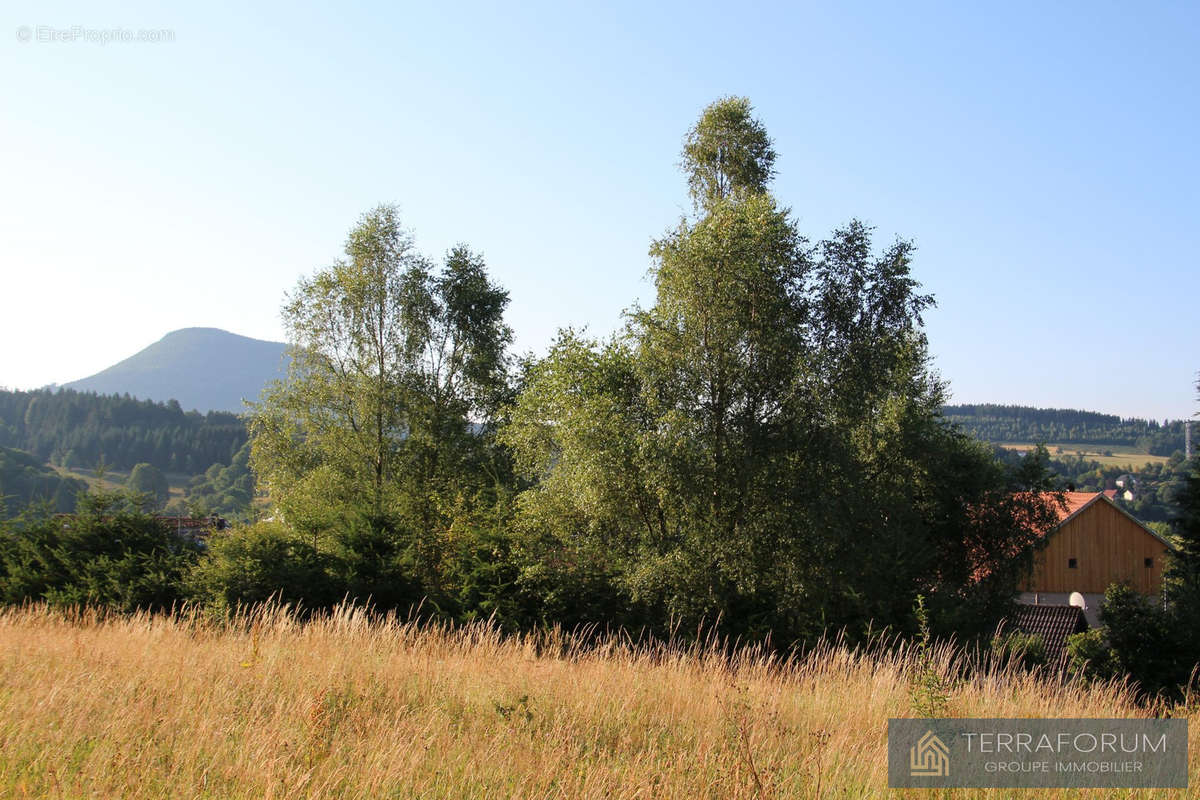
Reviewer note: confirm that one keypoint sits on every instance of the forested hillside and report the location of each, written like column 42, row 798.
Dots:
column 26, row 481
column 224, row 489
column 997, row 423
column 77, row 429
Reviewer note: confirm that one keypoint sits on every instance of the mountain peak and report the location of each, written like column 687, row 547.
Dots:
column 200, row 332
column 208, row 369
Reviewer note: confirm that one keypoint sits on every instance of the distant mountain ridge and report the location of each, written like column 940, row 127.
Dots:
column 206, row 369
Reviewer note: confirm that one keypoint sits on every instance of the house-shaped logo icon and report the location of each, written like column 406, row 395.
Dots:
column 929, row 758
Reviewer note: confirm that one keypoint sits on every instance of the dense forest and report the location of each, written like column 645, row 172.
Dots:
column 81, row 430
column 999, row 423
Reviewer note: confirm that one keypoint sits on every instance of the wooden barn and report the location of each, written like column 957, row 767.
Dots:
column 1095, row 544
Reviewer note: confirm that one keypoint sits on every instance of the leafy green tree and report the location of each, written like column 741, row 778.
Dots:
column 148, row 481
column 728, row 152
column 394, row 368
column 1157, row 644
column 1183, row 568
column 661, row 446
column 763, row 444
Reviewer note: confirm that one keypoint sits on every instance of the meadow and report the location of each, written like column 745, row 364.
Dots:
column 115, row 480
column 266, row 706
column 1118, row 455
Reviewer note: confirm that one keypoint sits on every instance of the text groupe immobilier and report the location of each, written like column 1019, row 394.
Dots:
column 1077, row 744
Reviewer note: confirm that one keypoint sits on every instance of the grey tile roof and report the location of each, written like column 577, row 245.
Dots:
column 1053, row 623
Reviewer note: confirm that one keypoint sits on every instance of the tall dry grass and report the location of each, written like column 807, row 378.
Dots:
column 265, row 706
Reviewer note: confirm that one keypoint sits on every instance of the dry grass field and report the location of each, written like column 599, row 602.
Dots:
column 268, row 707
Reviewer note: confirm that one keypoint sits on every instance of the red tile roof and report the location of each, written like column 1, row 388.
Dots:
column 1075, row 501
column 194, row 525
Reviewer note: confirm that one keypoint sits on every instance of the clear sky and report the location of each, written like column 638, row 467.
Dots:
column 1042, row 156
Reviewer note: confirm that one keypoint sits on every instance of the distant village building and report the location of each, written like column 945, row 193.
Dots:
column 1127, row 484
column 195, row 528
column 1094, row 545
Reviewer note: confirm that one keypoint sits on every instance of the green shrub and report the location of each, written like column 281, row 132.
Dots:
column 109, row 554
column 1027, row 648
column 1148, row 641
column 258, row 562
column 383, row 562
column 1090, row 658
column 929, row 688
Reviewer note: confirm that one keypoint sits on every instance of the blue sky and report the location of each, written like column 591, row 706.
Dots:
column 1044, row 161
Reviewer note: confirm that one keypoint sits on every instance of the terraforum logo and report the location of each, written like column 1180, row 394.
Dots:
column 929, row 758
column 1030, row 753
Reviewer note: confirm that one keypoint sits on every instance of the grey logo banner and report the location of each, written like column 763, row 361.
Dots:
column 1037, row 753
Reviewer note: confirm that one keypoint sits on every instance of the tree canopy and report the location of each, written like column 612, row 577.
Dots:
column 763, row 444
column 147, row 481
column 371, row 438
column 26, row 482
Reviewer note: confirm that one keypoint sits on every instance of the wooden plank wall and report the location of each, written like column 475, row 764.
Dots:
column 1108, row 547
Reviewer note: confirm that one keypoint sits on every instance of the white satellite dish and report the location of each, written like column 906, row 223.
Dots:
column 1077, row 600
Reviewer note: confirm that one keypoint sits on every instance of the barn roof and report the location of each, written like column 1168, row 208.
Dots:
column 1076, row 502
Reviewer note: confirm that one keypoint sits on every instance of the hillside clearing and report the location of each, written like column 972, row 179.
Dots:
column 1121, row 456
column 115, row 480
column 342, row 707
